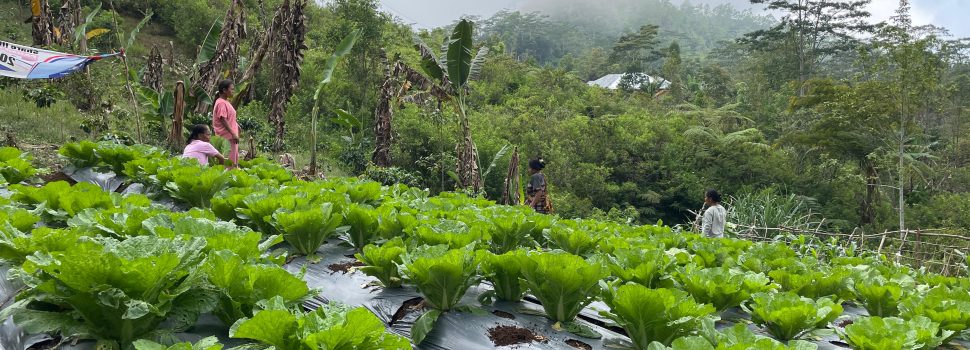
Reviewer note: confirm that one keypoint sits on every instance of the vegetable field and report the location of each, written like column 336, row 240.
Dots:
column 151, row 252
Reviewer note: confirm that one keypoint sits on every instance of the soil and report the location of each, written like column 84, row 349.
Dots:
column 843, row 323
column 511, row 335
column 503, row 314
column 57, row 176
column 345, row 267
column 578, row 344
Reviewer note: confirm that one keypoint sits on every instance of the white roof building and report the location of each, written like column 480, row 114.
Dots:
column 612, row 81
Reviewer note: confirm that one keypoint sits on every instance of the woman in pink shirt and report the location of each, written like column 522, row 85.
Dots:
column 224, row 119
column 199, row 146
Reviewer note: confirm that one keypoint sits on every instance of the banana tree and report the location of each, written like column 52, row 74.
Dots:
column 342, row 50
column 452, row 73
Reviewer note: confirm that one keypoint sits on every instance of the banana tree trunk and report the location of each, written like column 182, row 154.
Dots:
column 43, row 27
column 383, row 114
column 510, row 190
column 175, row 137
column 469, row 175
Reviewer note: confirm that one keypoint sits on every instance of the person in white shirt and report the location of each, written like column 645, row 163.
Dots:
column 714, row 216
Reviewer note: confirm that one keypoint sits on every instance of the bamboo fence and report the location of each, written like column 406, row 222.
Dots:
column 928, row 249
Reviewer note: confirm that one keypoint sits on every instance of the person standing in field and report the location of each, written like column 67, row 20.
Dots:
column 199, row 147
column 224, row 119
column 537, row 196
column 714, row 217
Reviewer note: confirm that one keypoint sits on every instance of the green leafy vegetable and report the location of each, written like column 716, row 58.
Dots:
column 58, row 201
column 764, row 257
column 18, row 218
column 307, row 230
column 194, row 185
column 208, row 343
column 363, row 226
column 382, row 261
column 453, row 233
column 115, row 291
column 119, row 222
column 648, row 267
column 330, row 327
column 876, row 333
column 505, row 273
column 16, row 245
column 950, row 307
column 15, row 167
column 788, row 316
column 814, row 281
column 738, row 337
column 242, row 285
column 657, row 315
column 564, row 283
column 572, row 240
column 441, row 275
column 509, row 231
column 879, row 295
column 721, row 286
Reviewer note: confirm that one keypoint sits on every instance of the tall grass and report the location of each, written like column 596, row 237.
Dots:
column 768, row 208
column 29, row 123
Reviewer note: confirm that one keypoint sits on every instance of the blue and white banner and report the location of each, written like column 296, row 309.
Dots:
column 23, row 62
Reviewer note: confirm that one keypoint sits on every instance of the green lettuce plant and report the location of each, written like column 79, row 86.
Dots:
column 118, row 222
column 393, row 222
column 572, row 239
column 382, row 261
column 307, row 230
column 788, row 316
column 764, row 257
column 950, row 307
column 738, row 337
column 114, row 291
column 362, row 222
column 218, row 235
column 657, row 315
column 814, row 281
column 504, row 271
column 18, row 218
column 16, row 245
column 442, row 275
column 453, row 233
column 256, row 209
column 242, row 284
column 722, row 287
column 80, row 154
column 15, row 166
column 509, row 231
column 331, row 327
column 650, row 267
column 57, row 201
column 879, row 295
column 891, row 333
column 207, row 343
column 195, row 185
column 564, row 283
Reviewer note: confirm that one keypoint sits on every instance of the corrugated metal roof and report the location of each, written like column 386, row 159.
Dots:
column 612, row 81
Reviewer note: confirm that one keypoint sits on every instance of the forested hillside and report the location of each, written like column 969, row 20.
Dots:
column 845, row 124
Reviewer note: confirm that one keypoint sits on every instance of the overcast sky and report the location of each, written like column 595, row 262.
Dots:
column 952, row 14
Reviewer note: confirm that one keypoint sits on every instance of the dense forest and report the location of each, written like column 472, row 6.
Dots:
column 812, row 116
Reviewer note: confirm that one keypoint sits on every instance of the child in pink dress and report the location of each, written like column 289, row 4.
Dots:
column 199, row 146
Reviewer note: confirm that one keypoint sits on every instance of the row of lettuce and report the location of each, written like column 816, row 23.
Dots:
column 118, row 268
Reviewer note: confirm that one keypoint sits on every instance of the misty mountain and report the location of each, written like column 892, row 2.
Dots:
column 547, row 30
